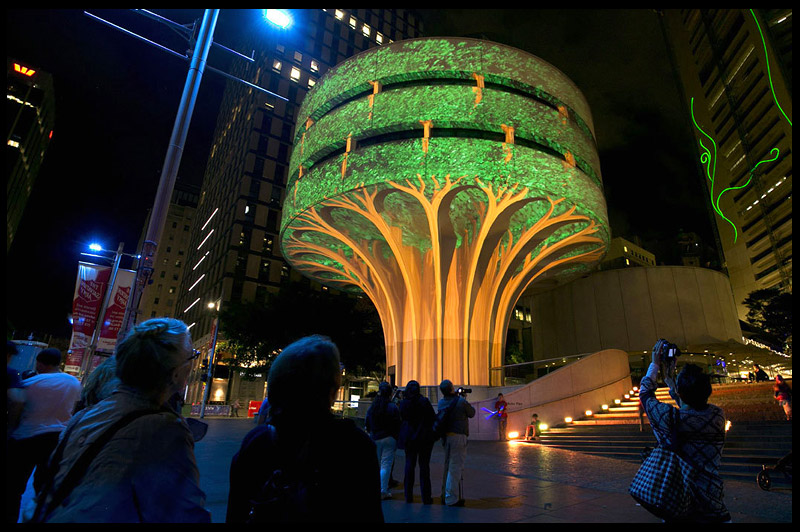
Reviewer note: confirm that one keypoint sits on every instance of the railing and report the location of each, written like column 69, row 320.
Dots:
column 525, row 372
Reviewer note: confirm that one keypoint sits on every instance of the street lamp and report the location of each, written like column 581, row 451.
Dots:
column 202, row 45
column 278, row 17
column 212, row 305
column 89, row 354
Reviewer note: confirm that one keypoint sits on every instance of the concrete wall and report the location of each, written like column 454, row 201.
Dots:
column 568, row 391
column 631, row 308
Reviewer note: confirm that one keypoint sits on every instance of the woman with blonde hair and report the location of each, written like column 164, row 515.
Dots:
column 130, row 457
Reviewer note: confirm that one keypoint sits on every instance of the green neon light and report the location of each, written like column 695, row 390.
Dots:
column 769, row 75
column 709, row 158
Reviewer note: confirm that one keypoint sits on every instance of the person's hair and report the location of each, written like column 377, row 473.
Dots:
column 412, row 390
column 49, row 357
column 147, row 356
column 301, row 379
column 694, row 386
column 446, row 387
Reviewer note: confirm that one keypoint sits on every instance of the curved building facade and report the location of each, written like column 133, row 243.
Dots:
column 631, row 308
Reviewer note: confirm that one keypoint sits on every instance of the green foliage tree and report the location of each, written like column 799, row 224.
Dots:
column 256, row 332
column 770, row 310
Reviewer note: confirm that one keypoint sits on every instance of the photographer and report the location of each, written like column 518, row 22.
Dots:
column 456, row 411
column 696, row 430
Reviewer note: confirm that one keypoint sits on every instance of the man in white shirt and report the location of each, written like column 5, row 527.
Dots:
column 50, row 397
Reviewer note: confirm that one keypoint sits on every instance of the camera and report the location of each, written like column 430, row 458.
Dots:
column 463, row 391
column 667, row 352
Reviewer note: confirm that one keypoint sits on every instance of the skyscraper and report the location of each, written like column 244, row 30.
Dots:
column 234, row 254
column 30, row 112
column 734, row 66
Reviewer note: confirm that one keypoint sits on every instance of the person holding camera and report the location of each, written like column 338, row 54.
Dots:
column 696, row 430
column 454, row 410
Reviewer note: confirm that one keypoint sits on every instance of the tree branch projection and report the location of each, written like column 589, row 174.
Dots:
column 474, row 286
column 441, row 178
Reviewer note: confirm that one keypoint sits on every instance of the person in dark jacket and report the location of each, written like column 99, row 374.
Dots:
column 383, row 424
column 334, row 460
column 417, row 439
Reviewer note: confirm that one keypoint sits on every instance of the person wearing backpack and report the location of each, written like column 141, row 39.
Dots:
column 383, row 424
column 417, row 438
column 130, row 458
column 304, row 464
column 455, row 410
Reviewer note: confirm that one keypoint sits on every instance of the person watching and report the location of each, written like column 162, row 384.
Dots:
column 146, row 471
column 454, row 441
column 696, row 429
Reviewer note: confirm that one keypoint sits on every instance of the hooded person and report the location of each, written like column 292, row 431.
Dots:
column 417, row 439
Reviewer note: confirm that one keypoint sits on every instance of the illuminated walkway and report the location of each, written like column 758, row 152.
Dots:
column 507, row 483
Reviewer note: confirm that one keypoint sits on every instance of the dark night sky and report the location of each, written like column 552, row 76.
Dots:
column 116, row 100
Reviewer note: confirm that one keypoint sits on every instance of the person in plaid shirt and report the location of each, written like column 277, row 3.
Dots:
column 697, row 427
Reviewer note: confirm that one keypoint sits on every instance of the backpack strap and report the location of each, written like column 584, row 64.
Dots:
column 81, row 465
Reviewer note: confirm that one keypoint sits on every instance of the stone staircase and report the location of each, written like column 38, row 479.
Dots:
column 619, row 432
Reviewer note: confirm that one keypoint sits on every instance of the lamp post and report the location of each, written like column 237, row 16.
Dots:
column 211, row 355
column 89, row 354
column 202, row 45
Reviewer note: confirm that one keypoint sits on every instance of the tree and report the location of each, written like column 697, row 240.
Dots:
column 255, row 332
column 770, row 310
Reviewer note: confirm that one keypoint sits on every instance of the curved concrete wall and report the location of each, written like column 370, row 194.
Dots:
column 568, row 391
column 631, row 308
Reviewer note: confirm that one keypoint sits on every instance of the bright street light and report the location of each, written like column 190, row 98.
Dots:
column 279, row 17
column 95, row 247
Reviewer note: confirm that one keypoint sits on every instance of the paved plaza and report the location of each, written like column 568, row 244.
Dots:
column 507, row 483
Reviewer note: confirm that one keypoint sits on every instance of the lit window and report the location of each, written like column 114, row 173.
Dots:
column 311, row 82
column 339, row 14
column 353, row 22
column 379, row 37
column 298, row 57
column 13, row 143
column 365, row 30
column 276, row 65
column 314, row 66
column 295, row 74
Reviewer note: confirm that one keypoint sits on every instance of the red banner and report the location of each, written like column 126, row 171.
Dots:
column 90, row 287
column 115, row 312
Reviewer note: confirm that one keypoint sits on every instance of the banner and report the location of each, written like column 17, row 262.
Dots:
column 90, row 287
column 115, row 313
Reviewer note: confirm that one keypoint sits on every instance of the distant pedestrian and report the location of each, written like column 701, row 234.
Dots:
column 305, row 465
column 783, row 394
column 417, row 440
column 457, row 410
column 146, row 470
column 761, row 375
column 383, row 424
column 235, row 408
column 49, row 399
column 501, row 406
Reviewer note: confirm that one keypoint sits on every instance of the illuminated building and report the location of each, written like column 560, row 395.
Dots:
column 442, row 177
column 623, row 254
column 234, row 253
column 734, row 67
column 30, row 112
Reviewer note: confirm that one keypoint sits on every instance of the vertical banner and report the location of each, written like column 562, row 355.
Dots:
column 90, row 288
column 115, row 313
